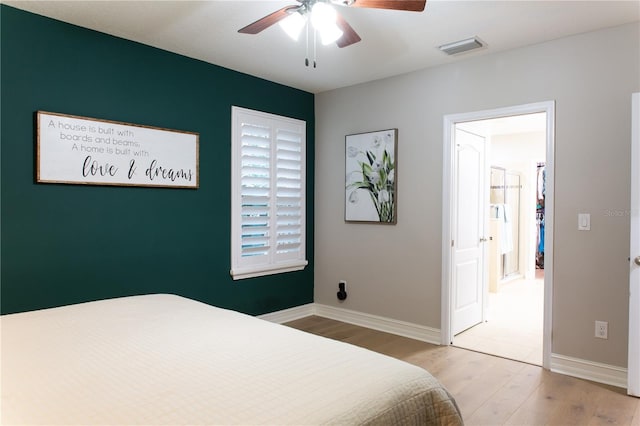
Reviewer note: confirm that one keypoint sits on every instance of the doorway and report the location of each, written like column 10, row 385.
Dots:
column 515, row 281
column 512, row 327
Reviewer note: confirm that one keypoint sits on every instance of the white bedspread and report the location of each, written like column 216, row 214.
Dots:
column 165, row 359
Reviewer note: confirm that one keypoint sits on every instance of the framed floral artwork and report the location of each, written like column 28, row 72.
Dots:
column 370, row 183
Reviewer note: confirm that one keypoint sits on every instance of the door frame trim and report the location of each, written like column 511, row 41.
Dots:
column 633, row 368
column 448, row 169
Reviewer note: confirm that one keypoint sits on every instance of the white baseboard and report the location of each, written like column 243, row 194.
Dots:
column 589, row 370
column 290, row 314
column 375, row 322
column 575, row 367
column 388, row 325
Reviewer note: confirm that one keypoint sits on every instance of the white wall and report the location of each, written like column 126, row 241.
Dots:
column 395, row 271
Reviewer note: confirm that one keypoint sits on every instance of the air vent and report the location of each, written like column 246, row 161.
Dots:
column 462, row 46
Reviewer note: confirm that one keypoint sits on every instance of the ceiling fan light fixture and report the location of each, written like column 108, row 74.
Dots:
column 323, row 19
column 293, row 24
column 461, row 46
column 322, row 15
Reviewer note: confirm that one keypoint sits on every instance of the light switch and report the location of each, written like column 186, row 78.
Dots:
column 584, row 222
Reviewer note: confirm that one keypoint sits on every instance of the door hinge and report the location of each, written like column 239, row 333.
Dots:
column 452, row 243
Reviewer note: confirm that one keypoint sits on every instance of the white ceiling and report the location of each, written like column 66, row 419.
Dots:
column 393, row 42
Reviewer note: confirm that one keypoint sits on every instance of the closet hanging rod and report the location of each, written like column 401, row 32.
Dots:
column 505, row 187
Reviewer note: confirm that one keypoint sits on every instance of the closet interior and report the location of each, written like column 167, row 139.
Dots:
column 540, row 193
column 504, row 222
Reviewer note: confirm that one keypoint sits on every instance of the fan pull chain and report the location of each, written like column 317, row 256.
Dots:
column 315, row 42
column 306, row 59
column 315, row 36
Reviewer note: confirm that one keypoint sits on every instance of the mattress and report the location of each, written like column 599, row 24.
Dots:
column 166, row 360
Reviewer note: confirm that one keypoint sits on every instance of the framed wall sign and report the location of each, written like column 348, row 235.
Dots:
column 371, row 177
column 82, row 150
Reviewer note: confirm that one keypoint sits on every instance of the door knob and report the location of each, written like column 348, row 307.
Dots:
column 637, row 260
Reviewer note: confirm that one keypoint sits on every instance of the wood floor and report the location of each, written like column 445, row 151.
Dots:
column 491, row 390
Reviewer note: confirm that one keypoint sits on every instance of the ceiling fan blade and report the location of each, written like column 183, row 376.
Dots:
column 409, row 5
column 349, row 36
column 267, row 21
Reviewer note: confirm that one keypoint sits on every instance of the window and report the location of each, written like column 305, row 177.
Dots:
column 267, row 194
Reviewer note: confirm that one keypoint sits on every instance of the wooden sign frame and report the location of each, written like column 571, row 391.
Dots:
column 81, row 150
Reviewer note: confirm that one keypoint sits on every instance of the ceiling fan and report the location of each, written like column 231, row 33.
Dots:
column 331, row 26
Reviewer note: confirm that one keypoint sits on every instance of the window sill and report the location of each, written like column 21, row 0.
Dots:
column 241, row 273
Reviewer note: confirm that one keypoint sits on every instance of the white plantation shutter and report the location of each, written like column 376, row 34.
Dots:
column 255, row 190
column 289, row 191
column 268, row 199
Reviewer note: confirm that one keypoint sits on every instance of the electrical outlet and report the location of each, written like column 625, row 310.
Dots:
column 342, row 291
column 602, row 329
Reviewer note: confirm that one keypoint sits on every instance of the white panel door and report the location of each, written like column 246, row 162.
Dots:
column 633, row 382
column 468, row 231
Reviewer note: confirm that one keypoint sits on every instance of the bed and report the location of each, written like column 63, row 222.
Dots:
column 164, row 359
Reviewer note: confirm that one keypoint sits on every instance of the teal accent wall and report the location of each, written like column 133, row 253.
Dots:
column 64, row 244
